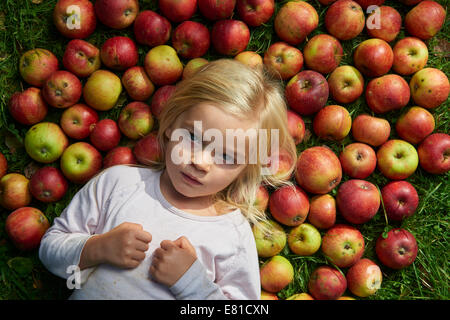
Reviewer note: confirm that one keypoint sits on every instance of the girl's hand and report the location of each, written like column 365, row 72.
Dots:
column 172, row 260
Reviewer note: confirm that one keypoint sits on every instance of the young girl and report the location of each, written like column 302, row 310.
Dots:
column 178, row 229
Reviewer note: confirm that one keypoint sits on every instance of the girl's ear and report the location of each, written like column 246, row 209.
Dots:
column 168, row 132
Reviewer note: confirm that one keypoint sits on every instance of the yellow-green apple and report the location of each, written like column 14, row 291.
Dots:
column 135, row 120
column 390, row 22
column 14, row 191
column 344, row 19
column 216, row 10
column 410, row 56
column 364, row 278
column 289, row 205
column 62, row 89
column 304, row 239
column 163, row 66
column 147, row 150
column 327, row 283
column 151, row 29
column 268, row 296
column 105, row 134
column 25, row 227
column 429, row 87
column 434, row 153
column 322, row 211
column 28, row 107
column 177, row 10
column 81, row 58
column 230, row 37
column 117, row 14
column 249, row 58
column 119, row 53
column 346, row 84
column 102, row 90
column 387, row 93
column 3, row 165
column 48, row 184
column 400, row 199
column 137, row 84
column 373, row 57
column 192, row 66
column 276, row 274
column 76, row 121
column 358, row 200
column 307, row 92
column 371, row 130
column 255, row 12
column 80, row 162
column 296, row 126
column 410, row 2
column 160, row 97
column 45, row 142
column 415, row 125
column 270, row 238
column 397, row 159
column 262, row 198
column 345, row 298
column 119, row 155
column 294, row 21
column 282, row 162
column 343, row 245
column 425, row 20
column 284, row 59
column 323, row 53
column 318, row 170
column 300, row 296
column 191, row 39
column 366, row 3
column 398, row 250
column 358, row 160
column 74, row 19
column 332, row 122
column 36, row 65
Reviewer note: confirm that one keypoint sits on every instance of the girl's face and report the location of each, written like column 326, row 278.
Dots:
column 199, row 174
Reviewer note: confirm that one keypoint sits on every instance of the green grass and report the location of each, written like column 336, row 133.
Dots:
column 25, row 25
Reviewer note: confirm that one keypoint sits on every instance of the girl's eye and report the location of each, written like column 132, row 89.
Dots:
column 193, row 137
column 227, row 158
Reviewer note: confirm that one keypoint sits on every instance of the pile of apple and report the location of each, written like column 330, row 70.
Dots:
column 90, row 81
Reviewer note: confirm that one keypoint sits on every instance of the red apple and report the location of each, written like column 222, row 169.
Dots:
column 322, row 211
column 276, row 274
column 390, row 22
column 28, row 107
column 289, row 205
column 358, row 160
column 397, row 159
column 323, row 53
column 14, row 191
column 373, row 57
column 163, row 66
column 366, row 3
column 262, row 198
column 147, row 150
column 398, row 250
column 135, row 120
column 296, row 126
column 326, row 283
column 151, row 29
column 62, row 89
column 286, row 60
column 283, row 163
column 81, row 58
column 3, row 165
column 194, row 65
column 415, row 125
column 255, row 12
column 75, row 18
column 102, row 90
column 249, row 58
column 37, row 65
column 371, row 130
column 80, row 162
column 191, row 39
column 216, row 10
column 429, row 87
column 137, row 83
column 77, row 120
column 159, row 99
column 119, row 155
column 119, row 53
column 387, row 93
column 177, row 10
column 400, row 200
column 434, row 153
column 230, row 37
column 117, row 14
column 410, row 56
column 105, row 134
column 332, row 122
column 270, row 238
column 48, row 184
column 425, row 20
column 364, row 278
column 346, row 84
column 345, row 19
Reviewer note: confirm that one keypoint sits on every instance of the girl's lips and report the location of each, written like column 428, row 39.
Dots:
column 191, row 179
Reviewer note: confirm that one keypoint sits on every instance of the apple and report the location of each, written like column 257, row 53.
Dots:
column 3, row 165
column 62, row 89
column 25, row 227
column 358, row 200
column 390, row 23
column 14, row 191
column 137, row 84
column 373, row 57
column 262, row 198
column 230, row 37
column 81, row 58
column 358, row 160
column 296, row 126
column 387, row 93
column 80, row 162
column 36, row 65
column 135, row 120
column 269, row 242
column 102, row 90
column 191, row 39
column 398, row 250
column 371, row 130
column 119, row 53
column 276, row 274
column 346, row 84
column 268, row 296
column 415, row 125
column 284, row 59
column 410, row 56
column 322, row 211
column 160, row 97
column 119, row 155
column 105, row 134
column 75, row 18
column 28, row 107
column 300, row 296
column 397, row 159
column 249, row 58
column 255, row 12
column 400, row 200
column 77, row 120
column 45, row 142
column 343, row 245
column 147, row 150
column 177, row 10
column 344, row 19
column 425, row 20
column 151, row 29
column 117, row 14
column 294, row 21
column 48, row 184
column 434, row 153
column 323, row 53
column 429, row 87
column 326, row 283
column 366, row 3
column 332, row 122
column 307, row 92
column 283, row 163
column 364, row 278
column 318, row 170
column 192, row 66
column 163, row 66
column 216, row 10
column 289, row 205
column 304, row 239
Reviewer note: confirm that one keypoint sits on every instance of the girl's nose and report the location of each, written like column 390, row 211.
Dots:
column 202, row 160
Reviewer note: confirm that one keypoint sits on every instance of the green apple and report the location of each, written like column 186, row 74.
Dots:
column 304, row 240
column 45, row 142
column 80, row 162
column 269, row 242
column 102, row 90
column 397, row 159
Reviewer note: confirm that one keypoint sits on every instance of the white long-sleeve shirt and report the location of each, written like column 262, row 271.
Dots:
column 226, row 268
